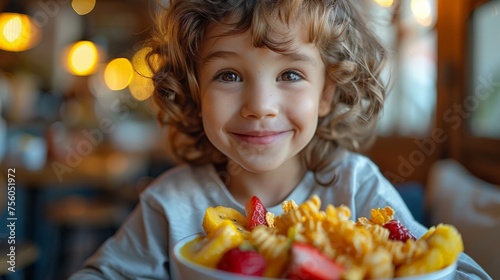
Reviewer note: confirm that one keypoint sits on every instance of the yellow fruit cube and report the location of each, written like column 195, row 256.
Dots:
column 211, row 248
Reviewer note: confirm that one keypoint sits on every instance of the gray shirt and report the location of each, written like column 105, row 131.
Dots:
column 174, row 205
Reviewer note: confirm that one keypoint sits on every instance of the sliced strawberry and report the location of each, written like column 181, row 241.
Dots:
column 397, row 231
column 307, row 262
column 247, row 262
column 255, row 213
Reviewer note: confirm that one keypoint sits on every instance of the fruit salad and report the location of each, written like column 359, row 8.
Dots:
column 306, row 242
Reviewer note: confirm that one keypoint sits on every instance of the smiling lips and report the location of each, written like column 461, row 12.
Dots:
column 259, row 137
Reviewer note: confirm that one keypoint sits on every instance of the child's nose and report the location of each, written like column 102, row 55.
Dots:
column 260, row 102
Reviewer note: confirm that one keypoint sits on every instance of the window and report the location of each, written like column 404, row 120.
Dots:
column 407, row 28
column 483, row 100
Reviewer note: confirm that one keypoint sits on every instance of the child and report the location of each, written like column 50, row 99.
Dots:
column 265, row 98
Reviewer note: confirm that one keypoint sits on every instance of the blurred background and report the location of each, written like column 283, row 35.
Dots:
column 78, row 128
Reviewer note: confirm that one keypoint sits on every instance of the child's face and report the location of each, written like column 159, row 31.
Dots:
column 260, row 108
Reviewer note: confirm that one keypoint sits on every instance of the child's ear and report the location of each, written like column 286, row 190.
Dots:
column 325, row 103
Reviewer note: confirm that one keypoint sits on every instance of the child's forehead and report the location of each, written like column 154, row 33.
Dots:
column 288, row 36
column 237, row 46
column 218, row 40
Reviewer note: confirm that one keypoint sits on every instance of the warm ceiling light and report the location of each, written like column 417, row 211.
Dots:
column 18, row 32
column 118, row 73
column 83, row 7
column 81, row 58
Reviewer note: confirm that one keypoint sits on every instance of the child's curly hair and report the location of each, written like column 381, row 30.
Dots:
column 353, row 56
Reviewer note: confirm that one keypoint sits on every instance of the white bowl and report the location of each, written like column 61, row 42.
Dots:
column 188, row 270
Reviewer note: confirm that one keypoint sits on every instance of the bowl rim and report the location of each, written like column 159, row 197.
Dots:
column 438, row 274
column 203, row 269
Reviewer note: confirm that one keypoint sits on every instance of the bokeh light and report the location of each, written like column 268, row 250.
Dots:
column 83, row 7
column 385, row 3
column 118, row 73
column 18, row 32
column 141, row 86
column 422, row 10
column 81, row 58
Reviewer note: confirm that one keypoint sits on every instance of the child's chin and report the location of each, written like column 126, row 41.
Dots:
column 258, row 167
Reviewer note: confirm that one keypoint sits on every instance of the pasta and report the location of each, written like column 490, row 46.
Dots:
column 363, row 247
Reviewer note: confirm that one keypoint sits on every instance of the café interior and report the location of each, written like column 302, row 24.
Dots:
column 79, row 138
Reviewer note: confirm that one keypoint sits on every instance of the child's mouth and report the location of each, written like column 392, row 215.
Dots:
column 259, row 137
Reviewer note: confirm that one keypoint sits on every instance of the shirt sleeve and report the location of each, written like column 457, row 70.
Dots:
column 138, row 250
column 376, row 191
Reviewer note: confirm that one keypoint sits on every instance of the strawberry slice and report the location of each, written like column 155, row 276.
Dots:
column 255, row 213
column 397, row 231
column 307, row 262
column 247, row 262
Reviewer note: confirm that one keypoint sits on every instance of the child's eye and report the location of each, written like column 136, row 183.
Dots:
column 227, row 76
column 290, row 76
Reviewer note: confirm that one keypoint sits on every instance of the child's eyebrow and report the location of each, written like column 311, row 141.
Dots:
column 291, row 57
column 299, row 57
column 218, row 54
